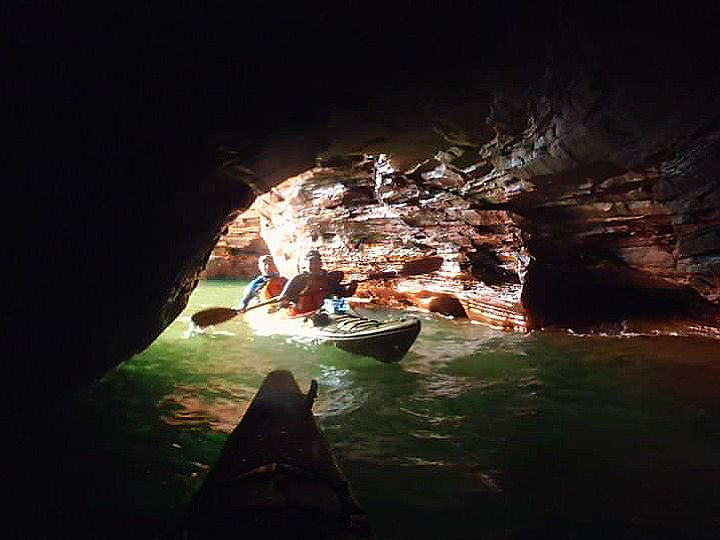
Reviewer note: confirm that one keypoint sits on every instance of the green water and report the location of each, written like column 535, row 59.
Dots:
column 476, row 433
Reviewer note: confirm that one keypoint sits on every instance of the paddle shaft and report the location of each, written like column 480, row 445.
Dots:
column 273, row 300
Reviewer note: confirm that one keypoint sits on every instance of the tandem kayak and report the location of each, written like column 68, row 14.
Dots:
column 337, row 323
column 276, row 477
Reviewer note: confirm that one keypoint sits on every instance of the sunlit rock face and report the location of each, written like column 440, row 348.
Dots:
column 557, row 206
column 365, row 218
column 237, row 251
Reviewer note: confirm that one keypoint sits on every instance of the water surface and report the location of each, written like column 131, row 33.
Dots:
column 476, row 433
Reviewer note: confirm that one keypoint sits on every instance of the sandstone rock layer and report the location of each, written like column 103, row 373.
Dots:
column 564, row 209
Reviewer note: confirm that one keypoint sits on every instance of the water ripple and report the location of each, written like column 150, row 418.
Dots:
column 190, row 405
column 433, row 419
column 424, row 434
column 340, row 402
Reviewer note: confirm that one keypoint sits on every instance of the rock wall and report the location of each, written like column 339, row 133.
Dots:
column 564, row 208
column 563, row 161
column 344, row 212
column 236, row 254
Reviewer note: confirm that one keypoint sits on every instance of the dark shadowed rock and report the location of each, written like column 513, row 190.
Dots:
column 550, row 155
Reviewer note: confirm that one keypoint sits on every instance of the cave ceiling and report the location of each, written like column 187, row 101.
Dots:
column 133, row 148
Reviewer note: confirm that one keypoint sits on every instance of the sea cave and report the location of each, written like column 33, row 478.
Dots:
column 564, row 164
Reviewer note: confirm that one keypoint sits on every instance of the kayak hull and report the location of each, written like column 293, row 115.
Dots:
column 386, row 341
column 276, row 477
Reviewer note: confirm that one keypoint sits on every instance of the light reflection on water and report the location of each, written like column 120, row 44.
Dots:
column 473, row 430
column 192, row 405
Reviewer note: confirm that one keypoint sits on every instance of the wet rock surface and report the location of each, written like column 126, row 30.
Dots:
column 236, row 254
column 562, row 209
column 563, row 163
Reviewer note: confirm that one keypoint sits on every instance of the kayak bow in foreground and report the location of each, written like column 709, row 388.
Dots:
column 276, row 477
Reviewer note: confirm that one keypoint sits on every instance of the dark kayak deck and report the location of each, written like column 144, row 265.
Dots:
column 385, row 340
column 276, row 476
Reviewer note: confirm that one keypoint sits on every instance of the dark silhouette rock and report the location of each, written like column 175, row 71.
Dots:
column 541, row 151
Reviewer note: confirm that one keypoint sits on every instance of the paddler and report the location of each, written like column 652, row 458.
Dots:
column 267, row 285
column 307, row 291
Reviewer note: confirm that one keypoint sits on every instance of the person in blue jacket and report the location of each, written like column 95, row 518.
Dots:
column 267, row 285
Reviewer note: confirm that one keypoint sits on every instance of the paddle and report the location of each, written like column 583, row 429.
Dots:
column 217, row 315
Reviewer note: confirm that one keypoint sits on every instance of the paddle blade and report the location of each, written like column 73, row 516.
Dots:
column 210, row 316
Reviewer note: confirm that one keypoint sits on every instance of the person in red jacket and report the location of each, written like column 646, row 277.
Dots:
column 307, row 291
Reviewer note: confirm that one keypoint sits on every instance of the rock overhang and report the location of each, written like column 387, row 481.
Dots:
column 539, row 92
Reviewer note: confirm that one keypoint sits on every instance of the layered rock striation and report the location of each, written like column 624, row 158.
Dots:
column 562, row 161
column 562, row 208
column 236, row 254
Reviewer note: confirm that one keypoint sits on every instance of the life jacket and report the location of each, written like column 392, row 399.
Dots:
column 313, row 295
column 272, row 288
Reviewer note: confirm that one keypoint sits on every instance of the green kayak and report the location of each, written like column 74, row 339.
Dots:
column 336, row 323
column 276, row 478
